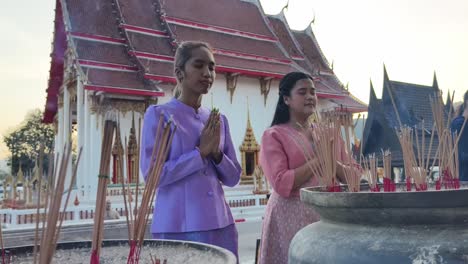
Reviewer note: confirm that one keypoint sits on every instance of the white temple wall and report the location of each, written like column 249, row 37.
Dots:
column 261, row 115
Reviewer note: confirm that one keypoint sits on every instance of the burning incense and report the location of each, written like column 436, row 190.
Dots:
column 414, row 167
column 75, row 170
column 47, row 247
column 447, row 151
column 127, row 188
column 353, row 176
column 137, row 169
column 389, row 185
column 325, row 141
column 104, row 170
column 1, row 244
column 39, row 168
column 370, row 166
column 163, row 139
column 51, row 231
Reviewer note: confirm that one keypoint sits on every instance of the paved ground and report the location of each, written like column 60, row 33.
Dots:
column 249, row 232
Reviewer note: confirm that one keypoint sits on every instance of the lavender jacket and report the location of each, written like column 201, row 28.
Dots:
column 190, row 195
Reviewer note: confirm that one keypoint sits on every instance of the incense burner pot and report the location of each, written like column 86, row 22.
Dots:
column 384, row 227
column 116, row 251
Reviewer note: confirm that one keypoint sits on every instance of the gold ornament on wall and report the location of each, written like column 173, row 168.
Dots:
column 265, row 85
column 231, row 83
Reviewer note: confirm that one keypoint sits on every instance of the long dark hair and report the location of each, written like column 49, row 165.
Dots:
column 461, row 109
column 285, row 86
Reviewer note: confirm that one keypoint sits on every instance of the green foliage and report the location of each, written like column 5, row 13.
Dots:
column 25, row 142
column 3, row 175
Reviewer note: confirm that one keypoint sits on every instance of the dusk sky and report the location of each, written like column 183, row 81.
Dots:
column 413, row 38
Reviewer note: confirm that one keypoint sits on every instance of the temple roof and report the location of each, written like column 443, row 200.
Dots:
column 128, row 47
column 412, row 102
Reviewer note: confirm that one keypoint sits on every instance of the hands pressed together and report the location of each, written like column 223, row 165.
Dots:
column 210, row 138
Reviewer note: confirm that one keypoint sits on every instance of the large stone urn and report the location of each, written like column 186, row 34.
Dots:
column 378, row 227
column 116, row 251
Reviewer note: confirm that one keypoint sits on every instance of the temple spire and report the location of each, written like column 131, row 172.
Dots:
column 372, row 96
column 285, row 7
column 435, row 84
column 386, row 79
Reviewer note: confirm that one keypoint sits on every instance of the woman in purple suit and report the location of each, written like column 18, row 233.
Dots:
column 190, row 203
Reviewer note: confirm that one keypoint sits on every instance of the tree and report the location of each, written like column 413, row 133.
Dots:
column 3, row 175
column 25, row 142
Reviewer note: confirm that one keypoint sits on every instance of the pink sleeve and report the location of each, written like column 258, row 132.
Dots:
column 274, row 162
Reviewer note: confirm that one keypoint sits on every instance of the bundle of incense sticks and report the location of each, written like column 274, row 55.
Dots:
column 352, row 174
column 163, row 139
column 389, row 185
column 119, row 162
column 449, row 160
column 414, row 163
column 447, row 151
column 325, row 139
column 54, row 217
column 5, row 257
column 39, row 184
column 352, row 171
column 370, row 166
column 104, row 170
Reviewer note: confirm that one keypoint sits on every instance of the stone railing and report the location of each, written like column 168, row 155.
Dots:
column 239, row 198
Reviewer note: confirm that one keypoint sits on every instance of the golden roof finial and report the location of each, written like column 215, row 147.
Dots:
column 250, row 143
column 37, row 173
column 20, row 175
column 132, row 142
column 117, row 149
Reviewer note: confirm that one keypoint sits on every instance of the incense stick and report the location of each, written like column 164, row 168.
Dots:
column 36, row 231
column 106, row 149
column 163, row 140
column 51, row 231
column 75, row 170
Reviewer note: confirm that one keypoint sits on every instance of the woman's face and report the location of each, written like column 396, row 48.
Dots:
column 303, row 99
column 199, row 71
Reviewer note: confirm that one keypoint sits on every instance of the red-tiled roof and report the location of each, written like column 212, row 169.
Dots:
column 228, row 42
column 254, row 67
column 284, row 36
column 114, row 78
column 310, row 48
column 140, row 13
column 150, row 44
column 237, row 14
column 350, row 104
column 129, row 44
column 92, row 17
column 56, row 65
column 103, row 52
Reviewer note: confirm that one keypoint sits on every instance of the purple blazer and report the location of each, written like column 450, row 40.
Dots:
column 190, row 196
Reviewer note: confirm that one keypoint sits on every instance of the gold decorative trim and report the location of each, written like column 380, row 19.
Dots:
column 72, row 93
column 231, row 84
column 60, row 100
column 101, row 106
column 265, row 85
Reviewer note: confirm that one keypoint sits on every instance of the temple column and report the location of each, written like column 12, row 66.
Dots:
column 81, row 180
column 95, row 149
column 58, row 149
column 66, row 139
column 87, row 150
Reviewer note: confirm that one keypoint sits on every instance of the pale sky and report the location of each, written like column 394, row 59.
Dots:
column 413, row 38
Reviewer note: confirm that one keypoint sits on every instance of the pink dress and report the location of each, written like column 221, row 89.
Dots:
column 285, row 214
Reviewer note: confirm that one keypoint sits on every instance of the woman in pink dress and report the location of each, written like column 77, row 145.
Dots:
column 286, row 168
